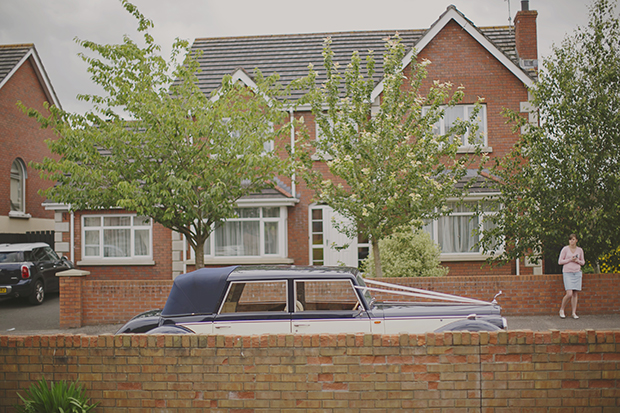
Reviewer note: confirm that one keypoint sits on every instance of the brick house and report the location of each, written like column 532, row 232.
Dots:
column 285, row 225
column 23, row 78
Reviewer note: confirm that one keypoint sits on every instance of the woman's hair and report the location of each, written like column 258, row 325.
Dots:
column 571, row 236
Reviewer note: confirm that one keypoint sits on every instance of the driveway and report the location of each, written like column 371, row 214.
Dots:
column 18, row 317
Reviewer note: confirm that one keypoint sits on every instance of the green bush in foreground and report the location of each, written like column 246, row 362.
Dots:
column 407, row 254
column 56, row 398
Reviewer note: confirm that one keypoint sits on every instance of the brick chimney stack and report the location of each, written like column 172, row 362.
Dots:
column 525, row 36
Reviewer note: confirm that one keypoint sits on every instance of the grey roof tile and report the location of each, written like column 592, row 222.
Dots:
column 10, row 56
column 290, row 55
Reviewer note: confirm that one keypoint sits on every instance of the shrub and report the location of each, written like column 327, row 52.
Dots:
column 57, row 398
column 407, row 254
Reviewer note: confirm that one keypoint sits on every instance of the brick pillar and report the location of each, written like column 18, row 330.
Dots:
column 71, row 297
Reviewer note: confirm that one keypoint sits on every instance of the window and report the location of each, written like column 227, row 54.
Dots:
column 18, row 186
column 254, row 232
column 325, row 295
column 318, row 249
column 457, row 233
column 258, row 296
column 116, row 236
column 463, row 112
column 268, row 145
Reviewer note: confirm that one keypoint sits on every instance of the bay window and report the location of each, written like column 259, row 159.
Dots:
column 457, row 233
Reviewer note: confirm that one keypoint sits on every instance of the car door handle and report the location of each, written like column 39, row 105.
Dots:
column 223, row 326
column 302, row 325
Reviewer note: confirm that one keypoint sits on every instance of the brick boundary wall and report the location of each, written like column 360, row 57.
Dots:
column 95, row 302
column 493, row 372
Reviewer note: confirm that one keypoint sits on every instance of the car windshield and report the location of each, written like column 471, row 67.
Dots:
column 367, row 295
column 11, row 256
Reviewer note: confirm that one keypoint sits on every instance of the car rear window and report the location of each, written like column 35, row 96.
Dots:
column 16, row 256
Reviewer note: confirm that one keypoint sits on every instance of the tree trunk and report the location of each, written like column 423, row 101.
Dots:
column 377, row 257
column 199, row 253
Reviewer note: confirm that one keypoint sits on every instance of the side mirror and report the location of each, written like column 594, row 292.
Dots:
column 65, row 261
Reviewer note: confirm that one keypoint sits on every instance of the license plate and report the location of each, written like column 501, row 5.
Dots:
column 3, row 290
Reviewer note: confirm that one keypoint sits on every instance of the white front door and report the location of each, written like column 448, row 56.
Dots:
column 328, row 245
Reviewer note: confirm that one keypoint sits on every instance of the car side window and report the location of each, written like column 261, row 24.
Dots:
column 51, row 254
column 255, row 296
column 325, row 295
column 39, row 255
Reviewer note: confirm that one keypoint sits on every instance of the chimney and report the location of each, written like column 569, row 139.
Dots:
column 525, row 36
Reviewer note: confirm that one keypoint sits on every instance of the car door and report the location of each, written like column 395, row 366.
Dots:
column 328, row 306
column 254, row 307
column 57, row 266
column 45, row 267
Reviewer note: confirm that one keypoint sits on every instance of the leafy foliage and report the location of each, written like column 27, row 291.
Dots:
column 610, row 263
column 563, row 176
column 385, row 167
column 58, row 397
column 182, row 158
column 407, row 254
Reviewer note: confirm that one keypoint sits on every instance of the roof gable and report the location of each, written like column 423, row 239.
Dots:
column 452, row 14
column 12, row 57
column 290, row 55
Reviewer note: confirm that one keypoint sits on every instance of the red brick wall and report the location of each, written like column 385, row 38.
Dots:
column 22, row 137
column 571, row 371
column 458, row 58
column 526, row 35
column 92, row 302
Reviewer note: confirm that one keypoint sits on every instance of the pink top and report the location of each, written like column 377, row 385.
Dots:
column 566, row 259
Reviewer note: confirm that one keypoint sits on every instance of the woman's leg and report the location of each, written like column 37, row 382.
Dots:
column 573, row 301
column 568, row 297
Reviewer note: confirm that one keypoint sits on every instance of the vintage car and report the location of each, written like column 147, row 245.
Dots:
column 248, row 300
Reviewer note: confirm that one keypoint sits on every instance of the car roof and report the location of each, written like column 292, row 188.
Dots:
column 22, row 246
column 200, row 291
column 250, row 273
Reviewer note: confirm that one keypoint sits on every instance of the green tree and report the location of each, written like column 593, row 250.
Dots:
column 407, row 253
column 388, row 169
column 563, row 176
column 155, row 144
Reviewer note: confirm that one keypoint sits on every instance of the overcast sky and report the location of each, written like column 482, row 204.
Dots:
column 52, row 25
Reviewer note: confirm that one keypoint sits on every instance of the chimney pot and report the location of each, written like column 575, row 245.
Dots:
column 525, row 5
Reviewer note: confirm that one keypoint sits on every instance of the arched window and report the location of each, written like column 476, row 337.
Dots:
column 18, row 186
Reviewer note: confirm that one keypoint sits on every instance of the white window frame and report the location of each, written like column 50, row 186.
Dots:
column 441, row 128
column 433, row 229
column 281, row 257
column 100, row 259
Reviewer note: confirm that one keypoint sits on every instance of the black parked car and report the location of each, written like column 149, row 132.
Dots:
column 29, row 270
column 247, row 300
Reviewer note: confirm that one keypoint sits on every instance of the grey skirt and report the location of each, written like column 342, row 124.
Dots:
column 572, row 280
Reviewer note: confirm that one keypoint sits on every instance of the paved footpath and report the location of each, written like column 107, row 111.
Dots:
column 554, row 322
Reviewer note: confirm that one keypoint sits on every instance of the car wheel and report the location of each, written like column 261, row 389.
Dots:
column 38, row 294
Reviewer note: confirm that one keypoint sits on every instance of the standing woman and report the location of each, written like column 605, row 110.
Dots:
column 572, row 260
